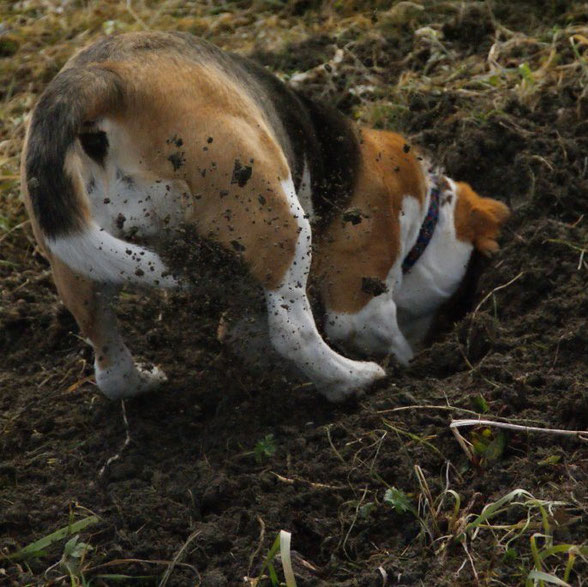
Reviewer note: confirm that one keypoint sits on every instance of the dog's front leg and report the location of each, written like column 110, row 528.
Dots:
column 293, row 330
column 91, row 303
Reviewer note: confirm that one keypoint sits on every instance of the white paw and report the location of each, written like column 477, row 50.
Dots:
column 403, row 353
column 124, row 380
column 357, row 376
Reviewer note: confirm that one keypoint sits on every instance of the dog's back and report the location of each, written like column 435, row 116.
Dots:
column 144, row 132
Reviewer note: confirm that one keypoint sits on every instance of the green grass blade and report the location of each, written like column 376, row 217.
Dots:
column 570, row 564
column 269, row 558
column 564, row 548
column 35, row 549
column 118, row 577
column 551, row 579
column 494, row 508
column 275, row 581
column 535, row 553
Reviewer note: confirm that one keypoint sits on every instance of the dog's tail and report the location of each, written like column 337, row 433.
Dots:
column 62, row 121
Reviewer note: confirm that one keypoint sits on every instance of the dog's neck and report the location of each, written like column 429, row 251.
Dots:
column 427, row 227
column 437, row 273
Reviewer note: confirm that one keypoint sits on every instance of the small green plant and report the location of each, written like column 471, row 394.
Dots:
column 480, row 404
column 526, row 73
column 281, row 545
column 398, row 500
column 72, row 560
column 488, row 445
column 265, row 448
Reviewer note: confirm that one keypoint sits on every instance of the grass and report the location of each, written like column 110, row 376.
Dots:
column 518, row 528
column 526, row 544
column 39, row 547
column 75, row 565
column 281, row 547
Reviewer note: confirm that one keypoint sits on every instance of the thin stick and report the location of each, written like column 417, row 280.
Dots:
column 357, row 508
column 125, row 444
column 328, row 430
column 581, row 434
column 443, row 408
column 14, row 228
column 174, row 562
column 497, row 289
column 484, row 299
column 125, row 561
column 465, row 445
column 292, row 481
column 425, row 407
column 259, row 544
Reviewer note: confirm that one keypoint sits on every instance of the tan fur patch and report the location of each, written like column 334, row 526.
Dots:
column 348, row 252
column 190, row 122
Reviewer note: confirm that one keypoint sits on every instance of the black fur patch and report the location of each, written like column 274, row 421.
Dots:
column 287, row 107
column 57, row 120
column 314, row 131
column 95, row 144
column 334, row 159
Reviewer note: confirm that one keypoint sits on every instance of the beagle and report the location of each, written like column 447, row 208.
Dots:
column 142, row 134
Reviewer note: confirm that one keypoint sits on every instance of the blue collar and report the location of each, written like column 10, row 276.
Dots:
column 427, row 230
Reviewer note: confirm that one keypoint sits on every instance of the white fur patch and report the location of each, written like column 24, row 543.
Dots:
column 102, row 257
column 372, row 330
column 438, row 272
column 123, row 378
column 293, row 331
column 130, row 204
column 305, row 192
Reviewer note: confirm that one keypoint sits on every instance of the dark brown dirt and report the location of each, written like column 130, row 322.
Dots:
column 192, row 464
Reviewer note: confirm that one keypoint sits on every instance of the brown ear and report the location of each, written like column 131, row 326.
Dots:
column 478, row 220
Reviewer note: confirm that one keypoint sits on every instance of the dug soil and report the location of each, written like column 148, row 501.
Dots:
column 198, row 479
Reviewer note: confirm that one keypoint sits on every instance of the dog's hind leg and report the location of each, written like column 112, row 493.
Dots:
column 91, row 303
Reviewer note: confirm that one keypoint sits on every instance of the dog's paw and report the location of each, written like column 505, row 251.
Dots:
column 402, row 352
column 128, row 380
column 357, row 379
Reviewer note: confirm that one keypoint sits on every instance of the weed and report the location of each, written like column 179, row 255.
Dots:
column 265, row 448
column 398, row 500
column 39, row 547
column 72, row 560
column 280, row 546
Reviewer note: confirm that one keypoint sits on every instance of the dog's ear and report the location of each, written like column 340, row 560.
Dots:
column 478, row 220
